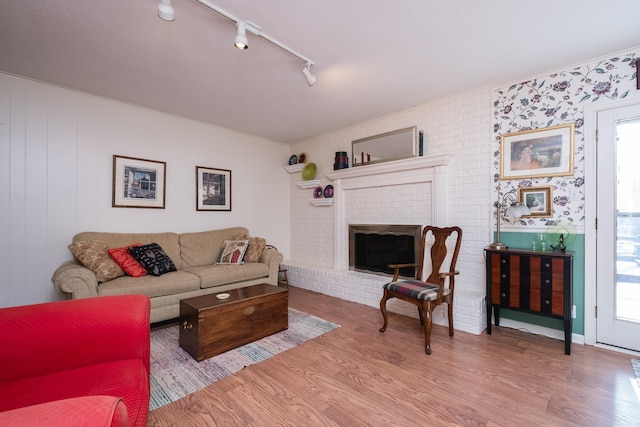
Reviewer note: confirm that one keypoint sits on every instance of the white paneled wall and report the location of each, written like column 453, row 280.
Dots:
column 56, row 148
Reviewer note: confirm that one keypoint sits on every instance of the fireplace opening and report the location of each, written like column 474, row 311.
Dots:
column 372, row 247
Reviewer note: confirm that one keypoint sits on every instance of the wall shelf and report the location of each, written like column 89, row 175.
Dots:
column 321, row 202
column 295, row 168
column 309, row 184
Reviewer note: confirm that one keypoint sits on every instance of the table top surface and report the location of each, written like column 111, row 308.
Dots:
column 235, row 295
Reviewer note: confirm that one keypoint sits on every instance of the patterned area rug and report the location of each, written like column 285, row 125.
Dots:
column 174, row 373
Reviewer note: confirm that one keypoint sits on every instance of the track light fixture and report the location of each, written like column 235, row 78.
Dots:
column 306, row 72
column 241, row 37
column 165, row 11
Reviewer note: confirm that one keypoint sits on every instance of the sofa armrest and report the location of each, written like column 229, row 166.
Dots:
column 58, row 336
column 75, row 279
column 103, row 411
column 273, row 258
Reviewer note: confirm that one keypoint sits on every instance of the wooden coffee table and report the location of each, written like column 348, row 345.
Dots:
column 210, row 326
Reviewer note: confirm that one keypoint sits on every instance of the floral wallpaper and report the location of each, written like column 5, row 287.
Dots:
column 552, row 100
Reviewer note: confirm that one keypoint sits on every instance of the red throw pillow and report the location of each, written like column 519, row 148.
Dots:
column 127, row 262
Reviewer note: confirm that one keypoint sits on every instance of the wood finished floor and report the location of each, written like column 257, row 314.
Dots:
column 357, row 376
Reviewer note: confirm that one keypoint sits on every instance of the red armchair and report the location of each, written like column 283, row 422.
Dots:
column 56, row 354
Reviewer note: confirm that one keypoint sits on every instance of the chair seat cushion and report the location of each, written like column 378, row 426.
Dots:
column 127, row 379
column 416, row 289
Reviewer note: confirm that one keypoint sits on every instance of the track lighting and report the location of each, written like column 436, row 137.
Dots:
column 241, row 37
column 306, row 72
column 165, row 10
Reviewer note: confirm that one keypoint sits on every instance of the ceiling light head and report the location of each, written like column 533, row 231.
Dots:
column 165, row 10
column 306, row 72
column 241, row 37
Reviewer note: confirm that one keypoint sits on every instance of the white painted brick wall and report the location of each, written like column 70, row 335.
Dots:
column 460, row 125
column 469, row 310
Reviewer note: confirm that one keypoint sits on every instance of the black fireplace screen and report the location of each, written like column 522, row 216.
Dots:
column 373, row 251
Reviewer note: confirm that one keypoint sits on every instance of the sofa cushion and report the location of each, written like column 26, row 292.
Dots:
column 232, row 252
column 168, row 241
column 153, row 259
column 226, row 274
column 94, row 254
column 201, row 248
column 255, row 249
column 127, row 379
column 153, row 286
column 127, row 261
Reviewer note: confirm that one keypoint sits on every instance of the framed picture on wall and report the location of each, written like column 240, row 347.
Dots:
column 537, row 153
column 213, row 189
column 138, row 183
column 538, row 200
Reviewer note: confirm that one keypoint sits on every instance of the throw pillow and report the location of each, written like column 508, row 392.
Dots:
column 127, row 262
column 94, row 254
column 256, row 247
column 232, row 252
column 153, row 259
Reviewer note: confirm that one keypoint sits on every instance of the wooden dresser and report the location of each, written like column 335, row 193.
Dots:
column 540, row 283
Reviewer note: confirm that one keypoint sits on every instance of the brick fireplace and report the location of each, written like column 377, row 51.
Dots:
column 403, row 192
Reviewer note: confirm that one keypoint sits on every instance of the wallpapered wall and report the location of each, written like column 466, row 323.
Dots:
column 552, row 100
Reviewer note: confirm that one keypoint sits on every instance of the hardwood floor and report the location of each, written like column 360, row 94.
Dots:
column 357, row 376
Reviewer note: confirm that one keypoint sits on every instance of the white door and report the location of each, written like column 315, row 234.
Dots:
column 618, row 233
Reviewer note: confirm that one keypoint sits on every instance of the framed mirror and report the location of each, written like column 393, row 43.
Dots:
column 395, row 145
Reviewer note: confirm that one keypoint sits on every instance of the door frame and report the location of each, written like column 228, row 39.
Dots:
column 591, row 194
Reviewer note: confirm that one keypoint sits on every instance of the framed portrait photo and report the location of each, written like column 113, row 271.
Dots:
column 537, row 153
column 538, row 200
column 138, row 183
column 213, row 189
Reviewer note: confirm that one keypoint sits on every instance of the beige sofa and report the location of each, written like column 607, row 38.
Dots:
column 193, row 255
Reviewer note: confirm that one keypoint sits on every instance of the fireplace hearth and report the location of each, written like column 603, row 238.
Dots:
column 372, row 247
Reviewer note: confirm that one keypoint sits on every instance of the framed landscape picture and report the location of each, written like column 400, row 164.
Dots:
column 138, row 183
column 213, row 189
column 538, row 200
column 537, row 153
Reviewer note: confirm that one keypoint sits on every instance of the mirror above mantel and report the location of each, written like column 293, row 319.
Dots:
column 394, row 145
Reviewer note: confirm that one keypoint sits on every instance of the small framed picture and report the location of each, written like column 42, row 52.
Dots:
column 213, row 189
column 537, row 153
column 138, row 183
column 538, row 200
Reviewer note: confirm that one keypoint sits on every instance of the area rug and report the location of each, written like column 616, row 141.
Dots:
column 175, row 374
column 635, row 363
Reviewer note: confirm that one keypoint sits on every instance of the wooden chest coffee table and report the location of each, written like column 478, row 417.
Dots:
column 210, row 326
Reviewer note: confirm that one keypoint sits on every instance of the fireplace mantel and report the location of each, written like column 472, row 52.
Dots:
column 431, row 161
column 415, row 170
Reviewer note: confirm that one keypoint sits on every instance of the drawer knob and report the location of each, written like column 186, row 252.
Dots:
column 503, row 295
column 547, row 281
column 547, row 302
column 249, row 310
column 187, row 326
column 504, row 261
column 546, row 264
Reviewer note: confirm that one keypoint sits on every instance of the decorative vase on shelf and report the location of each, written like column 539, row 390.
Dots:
column 309, row 172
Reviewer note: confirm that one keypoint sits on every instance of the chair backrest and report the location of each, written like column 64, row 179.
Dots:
column 438, row 250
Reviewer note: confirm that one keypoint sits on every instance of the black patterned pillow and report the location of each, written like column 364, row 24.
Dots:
column 153, row 259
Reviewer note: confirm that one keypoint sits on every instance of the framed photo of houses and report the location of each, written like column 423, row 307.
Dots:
column 213, row 189
column 537, row 153
column 138, row 183
column 538, row 200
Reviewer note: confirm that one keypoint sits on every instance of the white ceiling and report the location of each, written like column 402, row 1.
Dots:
column 372, row 57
